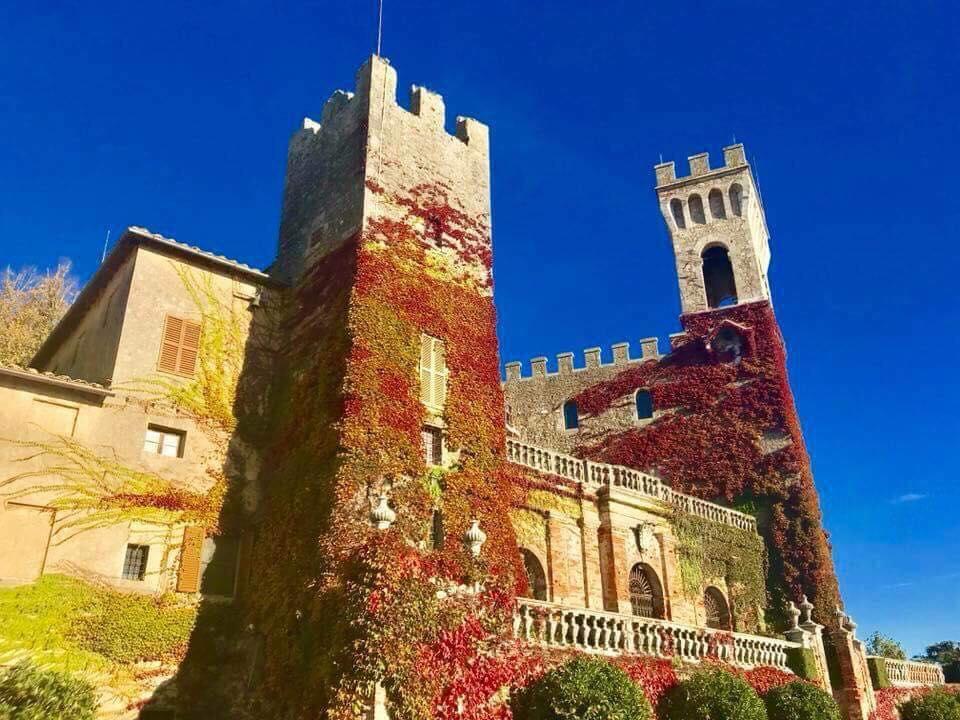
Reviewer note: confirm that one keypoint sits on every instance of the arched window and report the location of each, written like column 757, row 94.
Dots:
column 717, row 610
column 646, row 594
column 644, row 404
column 736, row 199
column 695, row 203
column 536, row 578
column 571, row 416
column 728, row 345
column 717, row 210
column 676, row 207
column 718, row 277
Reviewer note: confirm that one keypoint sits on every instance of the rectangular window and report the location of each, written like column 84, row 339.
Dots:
column 432, row 445
column 218, row 565
column 433, row 373
column 135, row 562
column 163, row 441
column 179, row 347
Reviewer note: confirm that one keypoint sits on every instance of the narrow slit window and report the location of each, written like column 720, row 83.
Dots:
column 571, row 415
column 432, row 445
column 135, row 562
column 644, row 404
column 695, row 203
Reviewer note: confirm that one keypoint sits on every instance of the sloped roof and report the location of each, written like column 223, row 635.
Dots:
column 50, row 378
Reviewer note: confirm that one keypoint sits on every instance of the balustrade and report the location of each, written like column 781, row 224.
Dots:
column 609, row 633
column 910, row 673
column 596, row 474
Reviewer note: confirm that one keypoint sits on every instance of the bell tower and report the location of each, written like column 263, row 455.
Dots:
column 718, row 230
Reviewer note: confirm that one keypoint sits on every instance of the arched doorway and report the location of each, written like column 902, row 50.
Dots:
column 717, row 610
column 536, row 578
column 718, row 277
column 646, row 593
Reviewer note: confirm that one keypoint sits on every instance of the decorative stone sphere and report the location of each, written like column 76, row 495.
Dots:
column 382, row 515
column 474, row 538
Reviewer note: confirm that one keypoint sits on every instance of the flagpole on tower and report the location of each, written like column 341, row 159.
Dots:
column 379, row 25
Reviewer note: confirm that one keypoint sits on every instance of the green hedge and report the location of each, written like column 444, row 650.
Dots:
column 878, row 672
column 714, row 694
column 799, row 700
column 28, row 693
column 127, row 628
column 582, row 689
column 803, row 662
column 936, row 705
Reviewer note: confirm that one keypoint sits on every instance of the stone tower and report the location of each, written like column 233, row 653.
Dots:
column 391, row 375
column 718, row 229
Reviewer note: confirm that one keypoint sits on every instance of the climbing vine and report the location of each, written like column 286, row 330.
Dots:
column 708, row 550
column 728, row 431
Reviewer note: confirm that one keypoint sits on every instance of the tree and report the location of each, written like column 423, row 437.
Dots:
column 882, row 646
column 31, row 304
column 947, row 653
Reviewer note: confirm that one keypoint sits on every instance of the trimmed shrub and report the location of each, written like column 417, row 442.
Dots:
column 803, row 662
column 28, row 693
column 582, row 689
column 878, row 672
column 935, row 705
column 800, row 701
column 715, row 695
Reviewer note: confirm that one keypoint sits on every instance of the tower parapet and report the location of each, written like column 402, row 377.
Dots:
column 718, row 229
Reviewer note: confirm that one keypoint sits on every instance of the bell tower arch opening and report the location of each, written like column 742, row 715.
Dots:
column 718, row 280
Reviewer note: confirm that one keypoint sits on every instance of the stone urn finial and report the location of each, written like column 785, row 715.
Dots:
column 793, row 614
column 382, row 515
column 474, row 538
column 806, row 610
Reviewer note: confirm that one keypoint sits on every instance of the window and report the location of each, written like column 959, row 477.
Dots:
column 718, row 277
column 135, row 562
column 432, row 445
column 571, row 416
column 179, row 347
column 646, row 595
column 433, row 373
column 644, row 404
column 676, row 209
column 716, row 609
column 163, row 441
column 728, row 345
column 695, row 204
column 536, row 578
column 436, row 529
column 736, row 199
column 717, row 210
column 218, row 565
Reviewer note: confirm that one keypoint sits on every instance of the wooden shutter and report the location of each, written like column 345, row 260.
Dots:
column 433, row 373
column 180, row 346
column 188, row 579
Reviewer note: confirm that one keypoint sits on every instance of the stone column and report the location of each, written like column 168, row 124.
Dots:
column 810, row 635
column 855, row 694
column 565, row 565
column 613, row 558
column 590, row 546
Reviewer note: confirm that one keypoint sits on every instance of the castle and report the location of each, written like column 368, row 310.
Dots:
column 311, row 445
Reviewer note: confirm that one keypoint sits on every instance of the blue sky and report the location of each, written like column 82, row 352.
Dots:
column 176, row 116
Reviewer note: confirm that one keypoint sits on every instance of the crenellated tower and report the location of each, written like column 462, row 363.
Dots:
column 718, row 230
column 390, row 411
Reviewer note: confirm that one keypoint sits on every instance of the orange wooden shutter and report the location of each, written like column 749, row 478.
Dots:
column 189, row 348
column 170, row 345
column 188, row 579
column 180, row 346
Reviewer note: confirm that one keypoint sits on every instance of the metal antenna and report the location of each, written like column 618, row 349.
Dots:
column 106, row 242
column 379, row 25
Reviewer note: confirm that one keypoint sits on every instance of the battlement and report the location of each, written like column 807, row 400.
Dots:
column 376, row 83
column 734, row 157
column 619, row 352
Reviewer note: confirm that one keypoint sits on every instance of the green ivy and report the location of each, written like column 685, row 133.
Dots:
column 803, row 663
column 878, row 672
column 708, row 549
column 29, row 693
